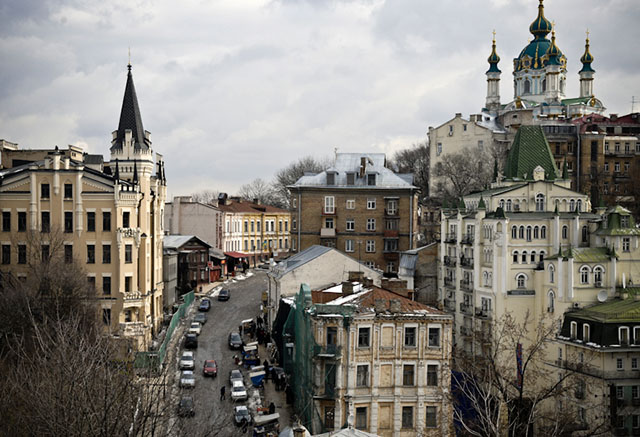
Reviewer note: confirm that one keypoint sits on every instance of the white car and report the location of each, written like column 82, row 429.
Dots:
column 238, row 391
column 195, row 328
column 187, row 361
column 187, row 379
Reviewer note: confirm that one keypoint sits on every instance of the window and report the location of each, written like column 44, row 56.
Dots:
column 125, row 219
column 351, row 204
column 127, row 284
column 539, row 202
column 363, row 337
column 434, row 336
column 634, row 364
column 515, row 256
column 106, row 316
column 524, row 257
column 106, row 285
column 636, row 335
column 328, row 223
column 362, row 375
column 543, row 232
column 371, row 179
column 514, row 232
column 92, row 282
column 527, row 86
column 521, row 232
column 586, row 332
column 573, row 329
column 68, row 222
column 329, row 417
column 128, row 255
column 623, row 335
column 552, row 274
column 392, row 207
column 410, row 337
column 371, row 224
column 68, row 253
column 626, row 244
column 584, row 275
column 22, row 253
column 45, row 221
column 565, row 232
column 438, row 149
column 106, row 221
column 106, row 254
column 390, row 245
column 624, row 221
column 294, row 202
column 432, row 375
column 348, row 246
column 329, row 205
column 408, row 373
column 371, row 246
column 361, row 418
column 521, row 280
column 407, row 417
column 371, row 203
column 44, row 191
column 509, row 205
column 68, row 191
column 529, row 233
column 351, row 178
column 45, row 252
column 22, row 221
column 332, row 335
column 551, row 301
column 331, row 178
column 258, row 226
column 431, row 420
column 351, row 225
column 91, row 254
column 6, row 221
column 6, row 254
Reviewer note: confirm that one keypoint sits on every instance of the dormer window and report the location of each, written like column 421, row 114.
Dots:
column 624, row 221
column 351, row 178
column 371, row 179
column 331, row 178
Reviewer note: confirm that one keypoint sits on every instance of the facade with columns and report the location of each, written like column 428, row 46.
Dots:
column 105, row 215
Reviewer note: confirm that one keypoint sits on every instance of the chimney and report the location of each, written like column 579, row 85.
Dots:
column 298, row 430
column 394, row 306
column 363, row 166
column 356, row 276
column 380, row 305
column 613, row 117
column 367, row 282
column 384, row 283
column 347, row 288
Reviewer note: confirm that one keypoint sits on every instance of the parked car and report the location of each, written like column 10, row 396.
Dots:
column 200, row 318
column 187, row 361
column 205, row 305
column 187, row 379
column 210, row 368
column 235, row 375
column 185, row 407
column 224, row 294
column 238, row 391
column 241, row 415
column 235, row 340
column 195, row 328
column 191, row 341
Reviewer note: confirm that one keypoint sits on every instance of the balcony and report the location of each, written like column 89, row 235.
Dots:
column 132, row 329
column 484, row 313
column 466, row 286
column 449, row 261
column 620, row 175
column 450, row 305
column 467, row 239
column 449, row 282
column 451, row 238
column 390, row 233
column 391, row 255
column 132, row 298
column 467, row 309
column 329, row 351
column 466, row 263
column 327, row 233
column 391, row 212
column 465, row 331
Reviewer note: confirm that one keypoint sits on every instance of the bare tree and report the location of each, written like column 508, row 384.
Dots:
column 463, row 172
column 291, row 173
column 205, row 196
column 413, row 160
column 258, row 190
column 509, row 388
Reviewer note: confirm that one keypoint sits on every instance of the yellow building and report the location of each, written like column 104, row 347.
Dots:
column 106, row 216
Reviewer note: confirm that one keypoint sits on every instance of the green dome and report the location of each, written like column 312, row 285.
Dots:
column 540, row 26
column 586, row 59
column 530, row 58
column 493, row 59
column 554, row 54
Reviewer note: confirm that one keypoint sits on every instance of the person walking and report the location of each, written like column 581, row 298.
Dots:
column 222, row 390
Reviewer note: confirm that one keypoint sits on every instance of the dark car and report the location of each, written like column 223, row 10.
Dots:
column 235, row 341
column 235, row 375
column 224, row 294
column 185, row 407
column 191, row 341
column 210, row 368
column 241, row 415
column 205, row 305
column 200, row 318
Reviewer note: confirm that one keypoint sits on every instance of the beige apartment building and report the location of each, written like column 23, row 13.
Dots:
column 359, row 207
column 371, row 358
column 105, row 216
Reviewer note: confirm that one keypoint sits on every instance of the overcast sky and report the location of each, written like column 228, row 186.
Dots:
column 234, row 90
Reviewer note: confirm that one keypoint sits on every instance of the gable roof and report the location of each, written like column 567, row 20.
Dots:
column 177, row 241
column 529, row 150
column 298, row 260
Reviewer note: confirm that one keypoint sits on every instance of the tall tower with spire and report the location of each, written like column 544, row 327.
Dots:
column 493, row 80
column 587, row 72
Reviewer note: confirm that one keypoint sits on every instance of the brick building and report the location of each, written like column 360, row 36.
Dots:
column 358, row 206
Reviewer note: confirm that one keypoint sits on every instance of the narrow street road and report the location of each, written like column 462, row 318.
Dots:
column 213, row 416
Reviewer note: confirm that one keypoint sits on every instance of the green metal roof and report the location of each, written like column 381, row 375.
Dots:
column 575, row 100
column 614, row 223
column 585, row 254
column 618, row 310
column 529, row 150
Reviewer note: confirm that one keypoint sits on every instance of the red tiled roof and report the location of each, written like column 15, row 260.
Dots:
column 406, row 305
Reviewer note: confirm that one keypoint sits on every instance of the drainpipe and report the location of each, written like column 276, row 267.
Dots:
column 299, row 220
column 153, row 264
column 411, row 220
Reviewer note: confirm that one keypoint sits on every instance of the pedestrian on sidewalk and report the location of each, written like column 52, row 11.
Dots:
column 222, row 390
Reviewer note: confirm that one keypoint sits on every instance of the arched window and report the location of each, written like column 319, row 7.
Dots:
column 533, row 257
column 572, row 205
column 521, row 232
column 585, row 234
column 528, row 233
column 542, row 255
column 515, row 257
column 485, row 278
column 597, row 276
column 584, row 275
column 562, row 86
column 502, row 203
column 509, row 204
column 579, row 205
column 514, row 232
column 524, row 257
column 552, row 274
column 490, row 279
column 521, row 280
column 543, row 232
column 527, row 86
column 536, row 232
column 544, row 85
column 551, row 301
column 539, row 202
column 565, row 232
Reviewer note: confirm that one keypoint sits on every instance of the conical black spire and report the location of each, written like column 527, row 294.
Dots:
column 135, row 172
column 130, row 117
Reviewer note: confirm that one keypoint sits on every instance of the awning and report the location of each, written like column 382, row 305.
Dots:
column 236, row 254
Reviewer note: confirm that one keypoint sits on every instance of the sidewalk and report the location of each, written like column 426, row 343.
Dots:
column 277, row 397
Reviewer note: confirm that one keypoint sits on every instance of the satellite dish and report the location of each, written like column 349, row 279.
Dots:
column 602, row 296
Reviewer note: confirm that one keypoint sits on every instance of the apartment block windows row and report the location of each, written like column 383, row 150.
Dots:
column 529, row 232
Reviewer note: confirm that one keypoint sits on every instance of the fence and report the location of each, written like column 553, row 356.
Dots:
column 153, row 359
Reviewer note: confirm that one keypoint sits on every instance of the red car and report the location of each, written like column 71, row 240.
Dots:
column 210, row 368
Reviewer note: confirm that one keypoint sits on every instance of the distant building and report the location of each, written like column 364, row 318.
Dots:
column 371, row 358
column 170, row 277
column 419, row 267
column 184, row 216
column 359, row 207
column 193, row 261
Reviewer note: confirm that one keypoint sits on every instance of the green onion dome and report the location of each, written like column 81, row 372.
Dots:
column 587, row 58
column 554, row 54
column 493, row 58
column 540, row 26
